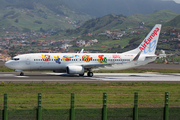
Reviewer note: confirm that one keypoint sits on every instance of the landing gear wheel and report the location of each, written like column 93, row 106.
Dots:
column 21, row 74
column 90, row 74
column 81, row 74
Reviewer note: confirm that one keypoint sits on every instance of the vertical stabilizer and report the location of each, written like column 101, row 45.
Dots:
column 149, row 44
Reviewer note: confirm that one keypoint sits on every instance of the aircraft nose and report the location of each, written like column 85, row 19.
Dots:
column 7, row 64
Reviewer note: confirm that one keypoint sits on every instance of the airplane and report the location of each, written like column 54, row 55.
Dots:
column 79, row 63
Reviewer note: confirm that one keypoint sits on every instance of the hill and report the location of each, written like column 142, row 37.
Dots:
column 39, row 14
column 175, row 23
column 162, row 15
column 112, row 22
column 100, row 8
column 120, row 24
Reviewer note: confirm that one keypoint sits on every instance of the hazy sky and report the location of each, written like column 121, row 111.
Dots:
column 177, row 1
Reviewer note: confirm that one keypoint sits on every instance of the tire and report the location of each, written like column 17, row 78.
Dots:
column 81, row 74
column 21, row 74
column 90, row 74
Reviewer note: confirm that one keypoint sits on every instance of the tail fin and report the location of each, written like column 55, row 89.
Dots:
column 148, row 45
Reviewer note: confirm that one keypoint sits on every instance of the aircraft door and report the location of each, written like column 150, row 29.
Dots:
column 28, row 61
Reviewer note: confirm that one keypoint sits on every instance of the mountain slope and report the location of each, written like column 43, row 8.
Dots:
column 112, row 22
column 126, row 7
column 174, row 22
column 164, row 15
column 37, row 14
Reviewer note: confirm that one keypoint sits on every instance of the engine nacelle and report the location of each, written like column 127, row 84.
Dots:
column 75, row 70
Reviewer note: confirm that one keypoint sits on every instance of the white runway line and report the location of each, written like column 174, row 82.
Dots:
column 149, row 77
column 53, row 73
column 39, row 80
column 117, row 77
column 22, row 76
column 7, row 75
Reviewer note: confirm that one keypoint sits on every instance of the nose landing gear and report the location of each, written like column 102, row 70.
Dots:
column 21, row 74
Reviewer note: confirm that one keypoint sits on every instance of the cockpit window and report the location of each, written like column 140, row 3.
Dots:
column 15, row 58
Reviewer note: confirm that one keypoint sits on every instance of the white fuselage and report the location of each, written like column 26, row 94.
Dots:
column 59, row 61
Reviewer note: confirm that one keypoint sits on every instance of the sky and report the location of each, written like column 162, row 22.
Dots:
column 177, row 1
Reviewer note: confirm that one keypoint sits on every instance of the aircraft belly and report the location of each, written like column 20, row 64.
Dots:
column 45, row 66
column 49, row 66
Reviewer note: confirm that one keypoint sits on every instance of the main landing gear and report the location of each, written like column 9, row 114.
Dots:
column 90, row 74
column 21, row 74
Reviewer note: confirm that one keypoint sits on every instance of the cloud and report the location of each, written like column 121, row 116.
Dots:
column 177, row 1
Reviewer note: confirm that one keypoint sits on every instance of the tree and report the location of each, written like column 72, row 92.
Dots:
column 16, row 21
column 12, row 53
column 42, row 30
column 26, row 30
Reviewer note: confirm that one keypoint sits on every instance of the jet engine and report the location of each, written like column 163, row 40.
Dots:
column 75, row 70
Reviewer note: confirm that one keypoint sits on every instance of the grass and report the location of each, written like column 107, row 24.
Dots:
column 5, row 69
column 119, row 95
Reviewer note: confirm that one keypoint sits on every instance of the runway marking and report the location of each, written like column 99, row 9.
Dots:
column 7, row 75
column 53, row 73
column 149, row 77
column 36, row 80
column 139, row 79
column 22, row 76
column 98, row 77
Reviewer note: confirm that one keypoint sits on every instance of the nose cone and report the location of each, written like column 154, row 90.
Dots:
column 10, row 64
column 7, row 64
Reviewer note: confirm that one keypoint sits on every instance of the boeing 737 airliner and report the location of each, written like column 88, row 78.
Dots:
column 79, row 63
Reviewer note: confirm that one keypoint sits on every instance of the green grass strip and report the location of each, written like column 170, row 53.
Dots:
column 119, row 95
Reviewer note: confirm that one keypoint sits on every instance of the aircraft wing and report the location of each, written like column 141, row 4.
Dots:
column 90, row 66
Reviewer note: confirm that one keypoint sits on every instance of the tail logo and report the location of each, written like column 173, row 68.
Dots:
column 151, row 47
column 148, row 41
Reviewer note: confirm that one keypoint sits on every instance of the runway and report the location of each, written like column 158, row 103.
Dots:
column 39, row 77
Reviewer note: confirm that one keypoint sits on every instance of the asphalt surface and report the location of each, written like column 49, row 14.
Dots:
column 38, row 77
column 160, row 66
column 97, row 78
